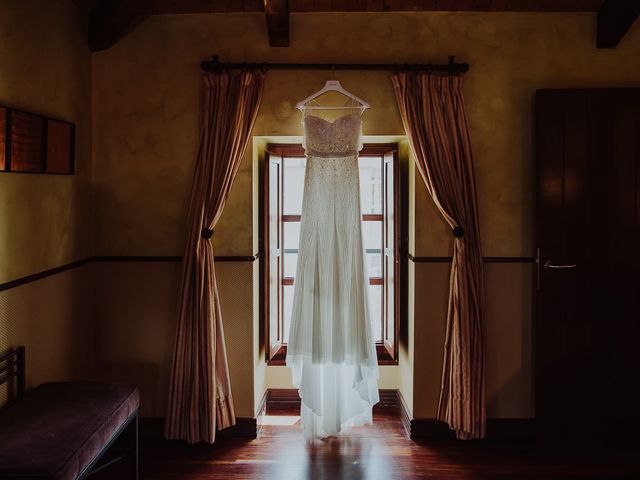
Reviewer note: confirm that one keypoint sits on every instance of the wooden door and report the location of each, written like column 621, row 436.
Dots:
column 587, row 333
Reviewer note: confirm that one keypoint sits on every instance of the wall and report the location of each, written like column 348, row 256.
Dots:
column 146, row 108
column 46, row 220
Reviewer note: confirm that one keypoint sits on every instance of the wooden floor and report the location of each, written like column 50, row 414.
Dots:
column 380, row 451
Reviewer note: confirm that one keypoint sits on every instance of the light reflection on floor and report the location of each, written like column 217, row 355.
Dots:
column 280, row 420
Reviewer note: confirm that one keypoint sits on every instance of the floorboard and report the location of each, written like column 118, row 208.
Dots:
column 379, row 451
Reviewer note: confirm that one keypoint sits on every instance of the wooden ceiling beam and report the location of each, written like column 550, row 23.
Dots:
column 109, row 20
column 615, row 18
column 444, row 5
column 277, row 16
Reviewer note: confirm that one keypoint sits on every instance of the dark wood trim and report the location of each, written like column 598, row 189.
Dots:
column 511, row 428
column 278, row 359
column 136, row 258
column 44, row 138
column 152, row 430
column 288, row 398
column 40, row 275
column 378, row 149
column 403, row 412
column 509, row 259
column 276, row 353
column 423, row 428
column 367, row 217
column 7, row 141
column 285, row 149
column 169, row 258
column 237, row 258
column 415, row 259
column 262, row 406
column 296, row 150
column 276, row 14
column 429, row 259
column 385, row 357
column 283, row 398
column 245, row 427
column 110, row 21
column 497, row 429
column 261, row 411
column 388, row 398
column 615, row 18
column 106, row 258
column 399, row 293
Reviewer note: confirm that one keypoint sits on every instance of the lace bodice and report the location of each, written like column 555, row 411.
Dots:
column 339, row 138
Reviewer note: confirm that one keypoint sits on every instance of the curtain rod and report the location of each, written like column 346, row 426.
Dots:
column 451, row 68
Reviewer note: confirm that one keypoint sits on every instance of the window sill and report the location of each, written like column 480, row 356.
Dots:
column 384, row 357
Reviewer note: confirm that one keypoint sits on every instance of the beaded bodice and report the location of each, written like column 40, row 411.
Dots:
column 338, row 138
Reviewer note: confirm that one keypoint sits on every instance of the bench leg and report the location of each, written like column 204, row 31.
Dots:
column 136, row 450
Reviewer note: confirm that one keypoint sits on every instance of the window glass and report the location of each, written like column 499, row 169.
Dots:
column 370, row 184
column 287, row 291
column 372, row 236
column 375, row 311
column 293, row 185
column 371, row 197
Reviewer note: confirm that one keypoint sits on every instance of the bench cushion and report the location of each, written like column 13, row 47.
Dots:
column 55, row 430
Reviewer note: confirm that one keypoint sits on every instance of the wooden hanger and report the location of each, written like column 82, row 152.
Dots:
column 331, row 86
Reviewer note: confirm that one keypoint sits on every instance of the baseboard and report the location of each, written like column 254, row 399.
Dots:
column 511, row 428
column 497, row 429
column 152, row 429
column 261, row 411
column 280, row 398
column 388, row 399
column 288, row 398
column 403, row 411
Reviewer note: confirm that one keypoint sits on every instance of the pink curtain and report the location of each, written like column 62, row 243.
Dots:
column 432, row 111
column 200, row 398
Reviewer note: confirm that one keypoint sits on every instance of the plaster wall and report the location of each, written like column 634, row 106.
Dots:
column 46, row 220
column 146, row 93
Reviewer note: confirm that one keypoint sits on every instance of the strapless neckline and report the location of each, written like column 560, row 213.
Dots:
column 341, row 117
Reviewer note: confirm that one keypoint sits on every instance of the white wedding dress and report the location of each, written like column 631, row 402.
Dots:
column 331, row 350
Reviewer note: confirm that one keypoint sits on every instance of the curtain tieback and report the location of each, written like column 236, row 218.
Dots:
column 458, row 232
column 207, row 233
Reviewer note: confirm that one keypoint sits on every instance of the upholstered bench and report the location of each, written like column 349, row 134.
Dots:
column 59, row 431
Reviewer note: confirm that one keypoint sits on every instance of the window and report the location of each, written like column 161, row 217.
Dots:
column 282, row 188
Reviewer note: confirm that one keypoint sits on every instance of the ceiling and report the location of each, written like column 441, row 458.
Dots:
column 110, row 19
column 159, row 7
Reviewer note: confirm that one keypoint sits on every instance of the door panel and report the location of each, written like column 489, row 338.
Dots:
column 588, row 320
column 391, row 253
column 274, row 251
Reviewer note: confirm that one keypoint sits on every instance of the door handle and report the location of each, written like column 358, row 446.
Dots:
column 548, row 265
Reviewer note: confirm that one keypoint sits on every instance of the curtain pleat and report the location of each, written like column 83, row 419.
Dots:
column 433, row 115
column 200, row 400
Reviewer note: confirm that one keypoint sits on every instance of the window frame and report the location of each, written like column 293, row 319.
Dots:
column 387, row 350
